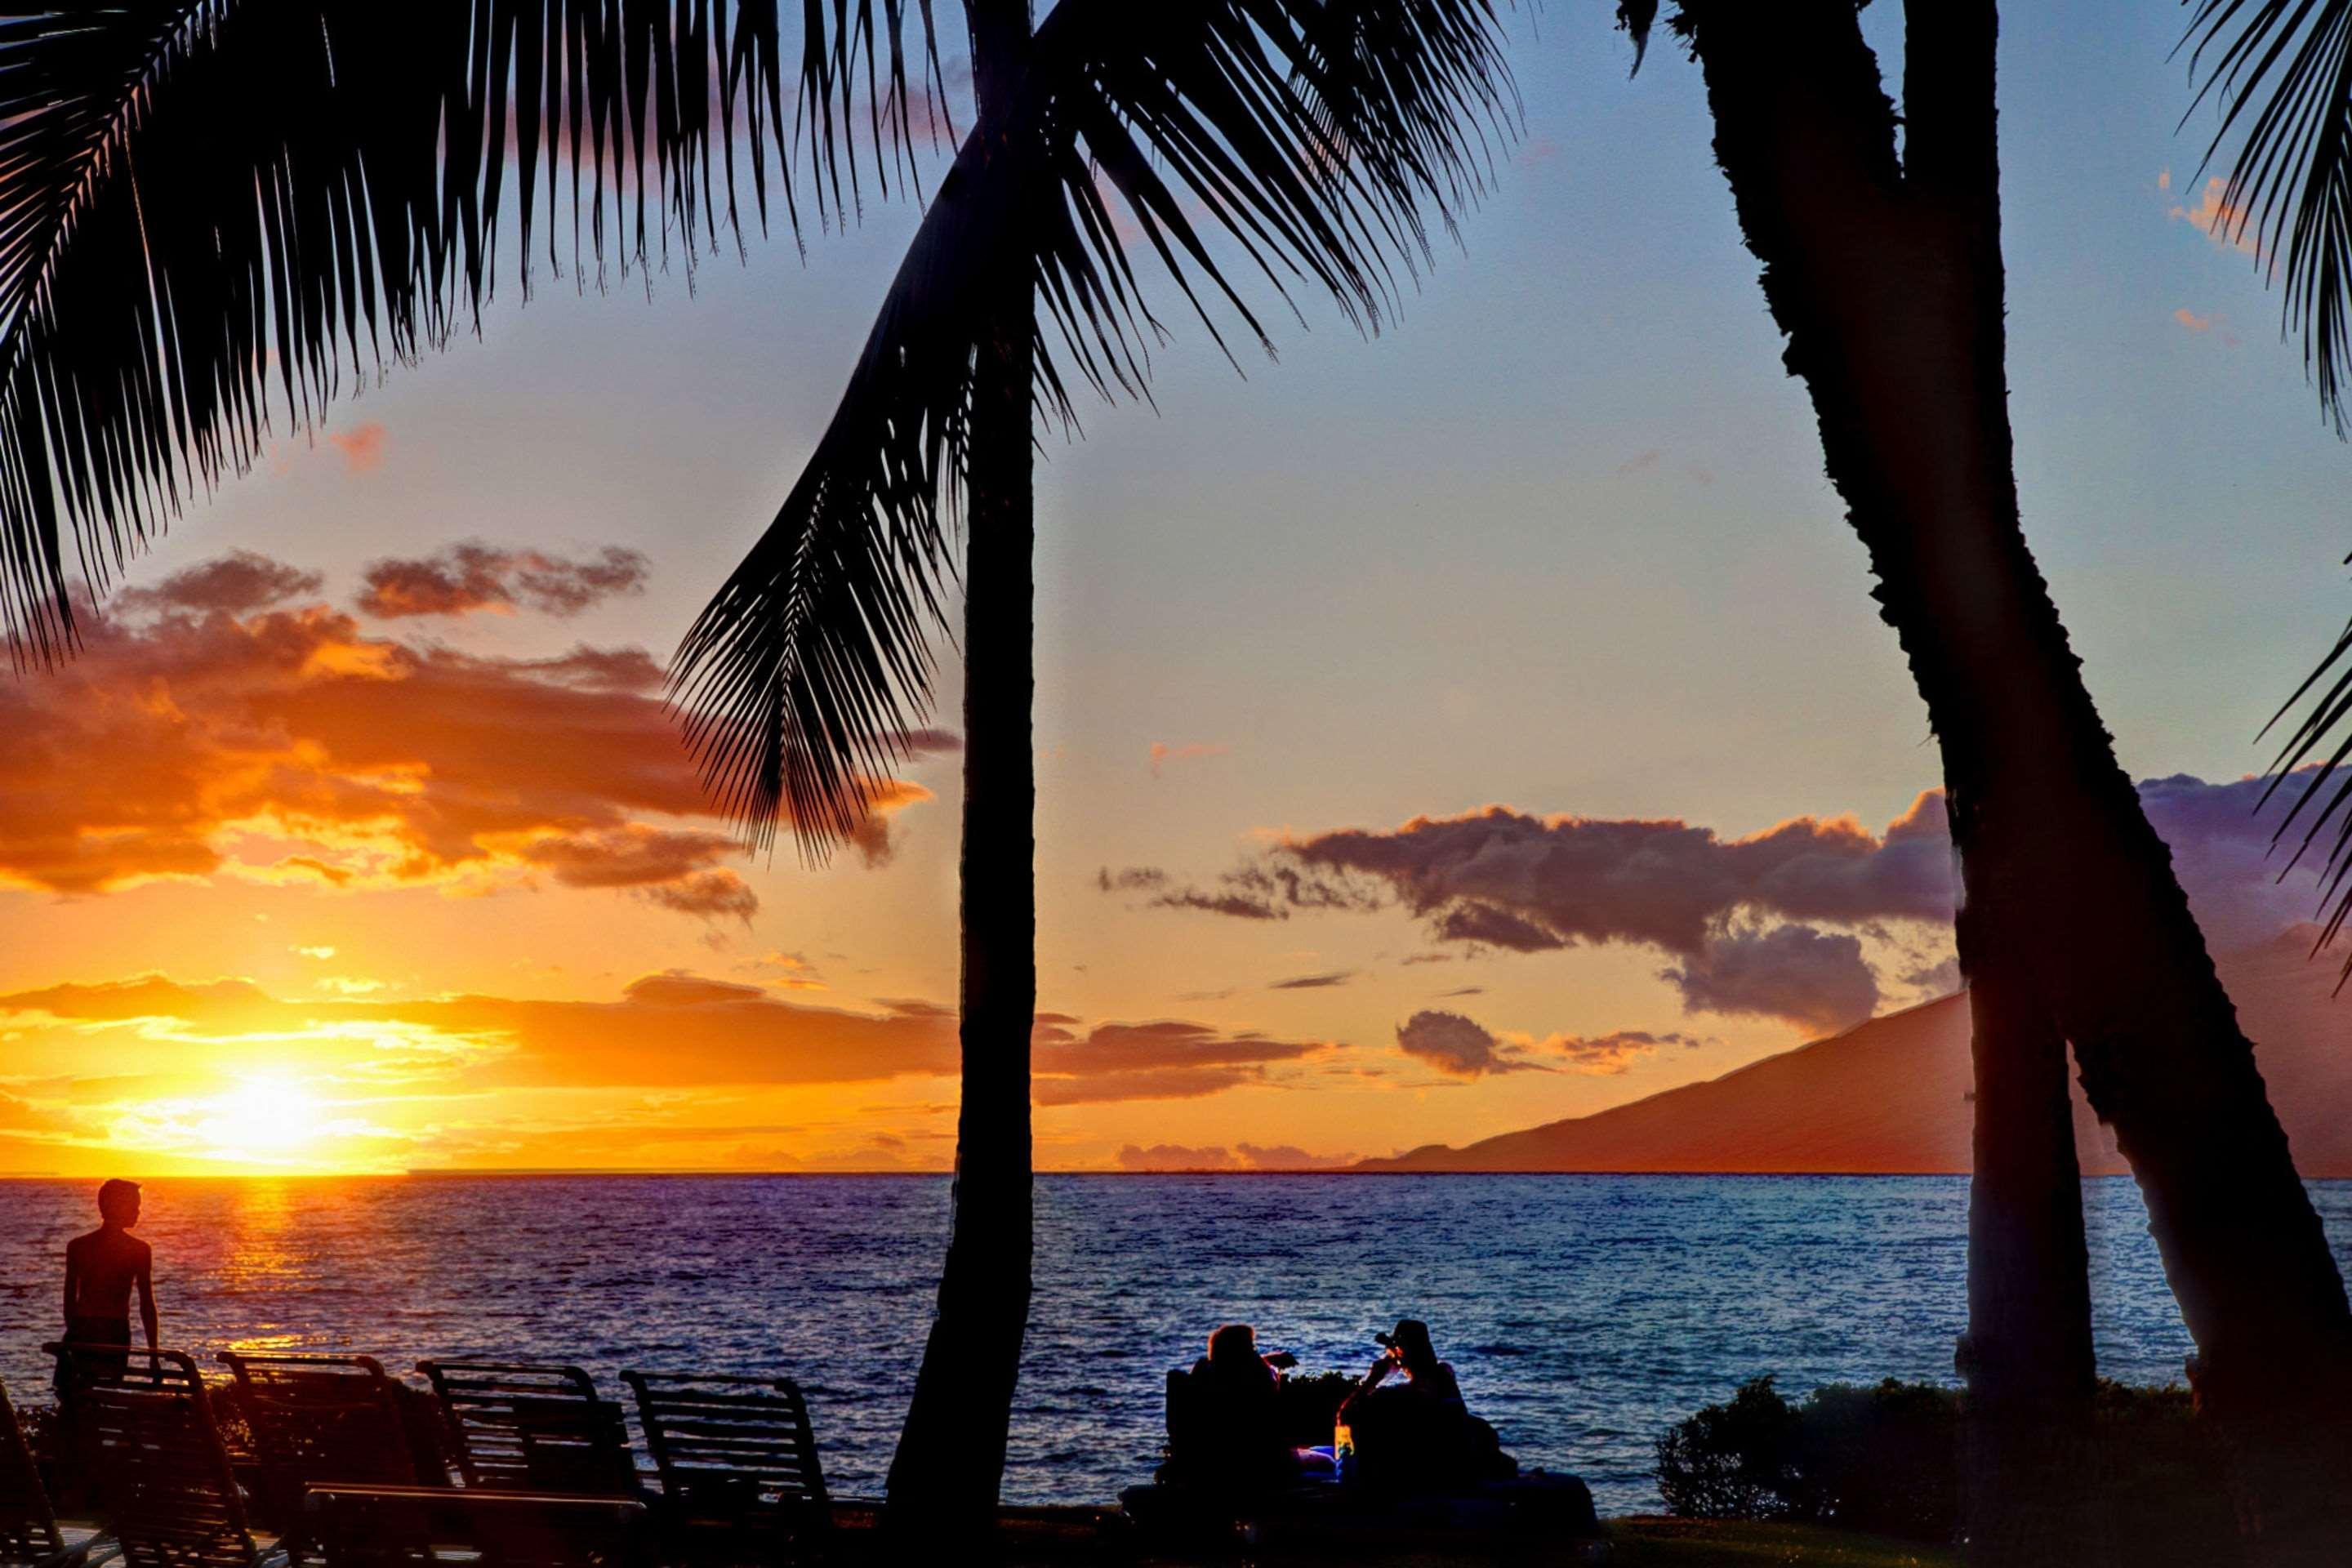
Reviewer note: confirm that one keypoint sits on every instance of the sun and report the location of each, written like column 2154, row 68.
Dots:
column 261, row 1119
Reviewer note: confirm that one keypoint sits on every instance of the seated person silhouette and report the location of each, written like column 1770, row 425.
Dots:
column 101, row 1268
column 1418, row 1433
column 1224, row 1418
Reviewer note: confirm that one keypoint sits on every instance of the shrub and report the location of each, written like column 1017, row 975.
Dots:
column 1886, row 1460
column 1734, row 1460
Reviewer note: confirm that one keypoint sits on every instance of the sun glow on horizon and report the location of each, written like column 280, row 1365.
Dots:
column 268, row 1121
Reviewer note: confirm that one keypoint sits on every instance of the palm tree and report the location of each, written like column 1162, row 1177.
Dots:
column 2282, row 77
column 1883, row 270
column 194, row 189
column 1307, row 131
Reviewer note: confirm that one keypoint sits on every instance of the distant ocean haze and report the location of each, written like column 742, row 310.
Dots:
column 1584, row 1313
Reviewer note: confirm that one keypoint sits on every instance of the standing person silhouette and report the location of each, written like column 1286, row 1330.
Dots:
column 101, row 1269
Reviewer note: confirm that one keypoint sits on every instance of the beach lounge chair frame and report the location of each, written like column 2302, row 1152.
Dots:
column 407, row 1527
column 319, row 1418
column 30, row 1536
column 83, row 1366
column 162, row 1475
column 532, row 1426
column 737, row 1457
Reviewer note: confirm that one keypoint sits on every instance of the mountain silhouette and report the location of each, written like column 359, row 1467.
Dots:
column 1892, row 1095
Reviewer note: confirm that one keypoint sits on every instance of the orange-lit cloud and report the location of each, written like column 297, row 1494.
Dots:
column 1163, row 753
column 667, row 1031
column 467, row 578
column 219, row 726
column 2223, row 221
column 1216, row 1157
column 362, row 446
column 2192, row 320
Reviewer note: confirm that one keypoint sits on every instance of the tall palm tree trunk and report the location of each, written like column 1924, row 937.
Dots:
column 2031, row 1468
column 943, row 1483
column 1887, row 281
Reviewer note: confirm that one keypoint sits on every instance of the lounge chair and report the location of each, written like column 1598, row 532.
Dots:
column 30, row 1536
column 162, row 1478
column 317, row 1419
column 530, row 1427
column 401, row 1526
column 81, row 1367
column 740, row 1476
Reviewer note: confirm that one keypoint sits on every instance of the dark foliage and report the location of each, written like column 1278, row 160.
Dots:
column 1885, row 1459
column 2323, row 735
column 1310, row 134
column 220, row 214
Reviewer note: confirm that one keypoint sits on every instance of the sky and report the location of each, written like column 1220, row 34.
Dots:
column 1438, row 732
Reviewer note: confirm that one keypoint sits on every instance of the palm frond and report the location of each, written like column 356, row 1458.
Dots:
column 2282, row 72
column 215, row 213
column 2323, row 737
column 1311, row 134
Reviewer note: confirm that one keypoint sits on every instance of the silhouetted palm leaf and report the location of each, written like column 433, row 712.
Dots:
column 1311, row 134
column 2282, row 70
column 201, row 200
column 2330, row 715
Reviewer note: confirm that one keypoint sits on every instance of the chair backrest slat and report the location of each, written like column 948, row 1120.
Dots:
column 730, row 1444
column 532, row 1426
column 319, row 1418
column 162, row 1477
column 28, row 1525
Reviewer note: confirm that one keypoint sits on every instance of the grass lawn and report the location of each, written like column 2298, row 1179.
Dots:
column 1703, row 1544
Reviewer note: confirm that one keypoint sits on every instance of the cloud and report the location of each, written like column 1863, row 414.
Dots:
column 1638, row 461
column 1802, row 895
column 1164, row 1060
column 361, row 447
column 707, row 895
column 2192, row 320
column 1606, row 1056
column 1816, row 980
column 672, row 1030
column 1216, row 1157
column 1501, row 878
column 1938, row 977
column 2223, row 221
column 1315, row 982
column 236, row 584
column 286, row 744
column 1162, row 753
column 465, row 578
column 1458, row 1046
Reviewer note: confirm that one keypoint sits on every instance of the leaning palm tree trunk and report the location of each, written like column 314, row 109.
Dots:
column 1886, row 278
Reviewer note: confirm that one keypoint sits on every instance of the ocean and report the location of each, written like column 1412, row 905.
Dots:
column 1584, row 1315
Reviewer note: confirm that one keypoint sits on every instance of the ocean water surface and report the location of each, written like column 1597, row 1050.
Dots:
column 1583, row 1314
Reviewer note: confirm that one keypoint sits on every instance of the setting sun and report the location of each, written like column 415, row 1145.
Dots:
column 265, row 1118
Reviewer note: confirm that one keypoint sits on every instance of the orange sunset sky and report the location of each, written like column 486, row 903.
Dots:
column 1438, row 734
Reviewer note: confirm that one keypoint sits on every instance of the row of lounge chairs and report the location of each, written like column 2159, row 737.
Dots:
column 517, row 1465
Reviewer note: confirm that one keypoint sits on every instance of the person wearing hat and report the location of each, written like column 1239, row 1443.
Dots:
column 1426, row 1378
column 1418, row 1433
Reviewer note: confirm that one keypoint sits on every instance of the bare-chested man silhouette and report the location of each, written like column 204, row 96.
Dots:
column 101, row 1269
